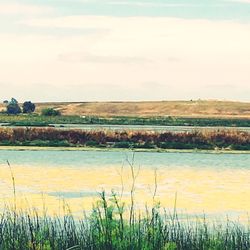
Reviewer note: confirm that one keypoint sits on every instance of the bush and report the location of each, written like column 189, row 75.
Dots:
column 50, row 112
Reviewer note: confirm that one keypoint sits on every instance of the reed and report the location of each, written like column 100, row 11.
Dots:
column 106, row 228
column 112, row 225
column 218, row 139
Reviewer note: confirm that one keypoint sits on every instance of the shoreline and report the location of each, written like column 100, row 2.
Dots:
column 84, row 149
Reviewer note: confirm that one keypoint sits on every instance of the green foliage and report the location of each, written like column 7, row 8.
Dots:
column 28, row 107
column 51, row 112
column 154, row 121
column 13, row 109
column 170, row 246
column 108, row 227
column 13, row 101
column 92, row 144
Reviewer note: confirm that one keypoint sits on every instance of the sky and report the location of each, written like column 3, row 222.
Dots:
column 124, row 50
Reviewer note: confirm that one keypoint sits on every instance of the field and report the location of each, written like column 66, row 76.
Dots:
column 219, row 109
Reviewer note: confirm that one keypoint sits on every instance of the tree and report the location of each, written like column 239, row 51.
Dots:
column 50, row 112
column 28, row 107
column 13, row 109
column 13, row 101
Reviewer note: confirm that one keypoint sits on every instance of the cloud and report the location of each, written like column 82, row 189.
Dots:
column 132, row 51
column 23, row 9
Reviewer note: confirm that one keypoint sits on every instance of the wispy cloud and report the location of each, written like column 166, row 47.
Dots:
column 16, row 8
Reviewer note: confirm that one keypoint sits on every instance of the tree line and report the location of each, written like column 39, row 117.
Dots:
column 13, row 108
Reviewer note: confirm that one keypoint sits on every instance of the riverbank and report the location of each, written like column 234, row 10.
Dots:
column 152, row 140
column 86, row 149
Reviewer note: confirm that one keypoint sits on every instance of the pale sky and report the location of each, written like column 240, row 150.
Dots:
column 95, row 50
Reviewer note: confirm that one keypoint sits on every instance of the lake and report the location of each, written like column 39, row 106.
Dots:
column 139, row 127
column 212, row 183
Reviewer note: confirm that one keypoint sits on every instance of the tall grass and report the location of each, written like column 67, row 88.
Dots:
column 112, row 225
column 230, row 139
column 108, row 227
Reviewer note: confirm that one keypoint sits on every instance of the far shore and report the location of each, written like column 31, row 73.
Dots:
column 36, row 148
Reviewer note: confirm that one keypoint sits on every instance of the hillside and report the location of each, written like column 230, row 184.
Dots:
column 147, row 109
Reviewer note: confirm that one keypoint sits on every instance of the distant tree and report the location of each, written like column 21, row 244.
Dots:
column 28, row 107
column 13, row 101
column 13, row 109
column 5, row 102
column 50, row 112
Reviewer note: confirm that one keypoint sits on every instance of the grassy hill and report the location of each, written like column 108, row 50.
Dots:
column 218, row 109
column 147, row 109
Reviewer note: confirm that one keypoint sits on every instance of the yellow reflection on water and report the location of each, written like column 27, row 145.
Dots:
column 198, row 190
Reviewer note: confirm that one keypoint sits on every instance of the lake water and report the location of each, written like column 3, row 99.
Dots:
column 210, row 183
column 141, row 127
column 145, row 127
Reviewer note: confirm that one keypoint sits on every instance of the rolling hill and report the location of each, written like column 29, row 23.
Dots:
column 162, row 108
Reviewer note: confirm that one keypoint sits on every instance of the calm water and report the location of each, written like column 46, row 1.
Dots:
column 144, row 127
column 204, row 182
column 140, row 127
column 81, row 159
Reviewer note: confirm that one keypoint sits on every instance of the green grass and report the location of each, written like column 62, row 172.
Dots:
column 38, row 120
column 112, row 225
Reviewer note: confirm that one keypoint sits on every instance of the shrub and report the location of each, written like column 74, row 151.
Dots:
column 50, row 112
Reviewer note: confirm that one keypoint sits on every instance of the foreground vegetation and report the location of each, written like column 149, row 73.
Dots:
column 44, row 120
column 229, row 139
column 111, row 225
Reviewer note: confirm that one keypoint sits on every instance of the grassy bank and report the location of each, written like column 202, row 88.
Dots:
column 112, row 225
column 50, row 137
column 38, row 120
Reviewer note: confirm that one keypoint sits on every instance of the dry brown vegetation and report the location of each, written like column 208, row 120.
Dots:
column 164, row 108
column 126, row 139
